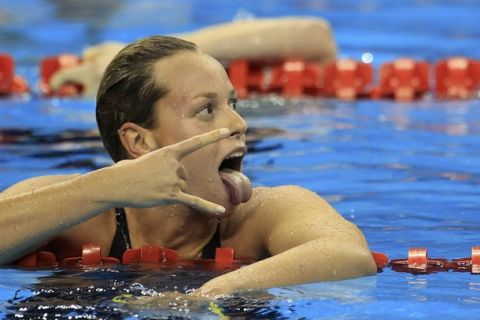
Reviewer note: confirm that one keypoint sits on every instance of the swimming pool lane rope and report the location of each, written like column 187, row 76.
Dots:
column 417, row 261
column 403, row 79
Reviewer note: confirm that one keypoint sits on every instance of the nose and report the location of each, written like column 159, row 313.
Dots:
column 237, row 125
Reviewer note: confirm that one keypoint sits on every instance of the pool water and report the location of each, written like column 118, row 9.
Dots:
column 408, row 174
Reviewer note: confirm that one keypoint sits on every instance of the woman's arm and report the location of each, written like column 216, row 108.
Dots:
column 289, row 37
column 307, row 240
column 305, row 38
column 35, row 210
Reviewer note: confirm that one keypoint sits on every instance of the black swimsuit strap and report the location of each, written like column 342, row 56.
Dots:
column 121, row 241
column 208, row 251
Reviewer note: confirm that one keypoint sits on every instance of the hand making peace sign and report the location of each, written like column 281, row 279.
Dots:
column 159, row 178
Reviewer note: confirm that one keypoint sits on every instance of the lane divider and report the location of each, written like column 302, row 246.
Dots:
column 402, row 80
column 417, row 261
column 165, row 258
column 10, row 83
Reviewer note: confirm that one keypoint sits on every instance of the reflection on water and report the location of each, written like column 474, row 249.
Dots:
column 70, row 148
column 81, row 148
column 120, row 292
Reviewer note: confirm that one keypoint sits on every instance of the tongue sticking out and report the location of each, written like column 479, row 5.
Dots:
column 237, row 184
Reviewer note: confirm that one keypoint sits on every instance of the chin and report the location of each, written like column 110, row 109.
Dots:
column 229, row 211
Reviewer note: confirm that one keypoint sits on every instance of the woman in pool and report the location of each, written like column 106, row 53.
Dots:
column 166, row 114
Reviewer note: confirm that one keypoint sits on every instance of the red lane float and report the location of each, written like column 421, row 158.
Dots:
column 10, row 83
column 457, row 78
column 289, row 78
column 50, row 65
column 471, row 264
column 168, row 258
column 161, row 257
column 150, row 254
column 343, row 79
column 403, row 80
column 91, row 256
column 347, row 79
column 417, row 261
column 381, row 260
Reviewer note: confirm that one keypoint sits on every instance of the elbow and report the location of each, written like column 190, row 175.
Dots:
column 362, row 259
column 363, row 263
column 353, row 262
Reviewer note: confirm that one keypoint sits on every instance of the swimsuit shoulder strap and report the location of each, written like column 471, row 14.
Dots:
column 208, row 251
column 121, row 241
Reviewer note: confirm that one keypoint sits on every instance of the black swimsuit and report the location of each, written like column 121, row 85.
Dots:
column 121, row 241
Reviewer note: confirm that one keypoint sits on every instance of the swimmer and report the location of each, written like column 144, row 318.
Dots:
column 166, row 115
column 306, row 38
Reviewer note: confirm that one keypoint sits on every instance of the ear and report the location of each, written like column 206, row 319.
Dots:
column 136, row 140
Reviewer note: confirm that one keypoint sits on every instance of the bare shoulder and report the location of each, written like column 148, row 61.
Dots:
column 284, row 207
column 288, row 199
column 270, row 207
column 35, row 183
column 279, row 218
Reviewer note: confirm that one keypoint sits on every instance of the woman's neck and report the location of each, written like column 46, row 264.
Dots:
column 175, row 226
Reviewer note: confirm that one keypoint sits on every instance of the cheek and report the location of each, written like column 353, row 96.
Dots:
column 203, row 178
column 201, row 161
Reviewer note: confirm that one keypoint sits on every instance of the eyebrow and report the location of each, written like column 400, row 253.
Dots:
column 211, row 95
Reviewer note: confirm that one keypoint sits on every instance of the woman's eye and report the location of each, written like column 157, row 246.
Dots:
column 233, row 103
column 206, row 111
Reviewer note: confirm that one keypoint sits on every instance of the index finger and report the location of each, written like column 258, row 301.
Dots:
column 194, row 143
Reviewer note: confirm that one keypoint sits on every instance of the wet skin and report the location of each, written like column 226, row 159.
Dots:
column 200, row 99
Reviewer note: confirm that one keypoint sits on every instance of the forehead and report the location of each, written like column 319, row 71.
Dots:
column 189, row 72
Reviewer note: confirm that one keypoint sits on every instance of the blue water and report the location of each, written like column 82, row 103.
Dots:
column 408, row 174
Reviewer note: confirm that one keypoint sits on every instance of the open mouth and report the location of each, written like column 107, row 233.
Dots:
column 233, row 161
column 237, row 184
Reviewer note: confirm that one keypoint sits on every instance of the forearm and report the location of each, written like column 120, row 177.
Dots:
column 314, row 261
column 307, row 38
column 29, row 219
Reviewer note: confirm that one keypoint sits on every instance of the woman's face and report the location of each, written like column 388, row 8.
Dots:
column 200, row 99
